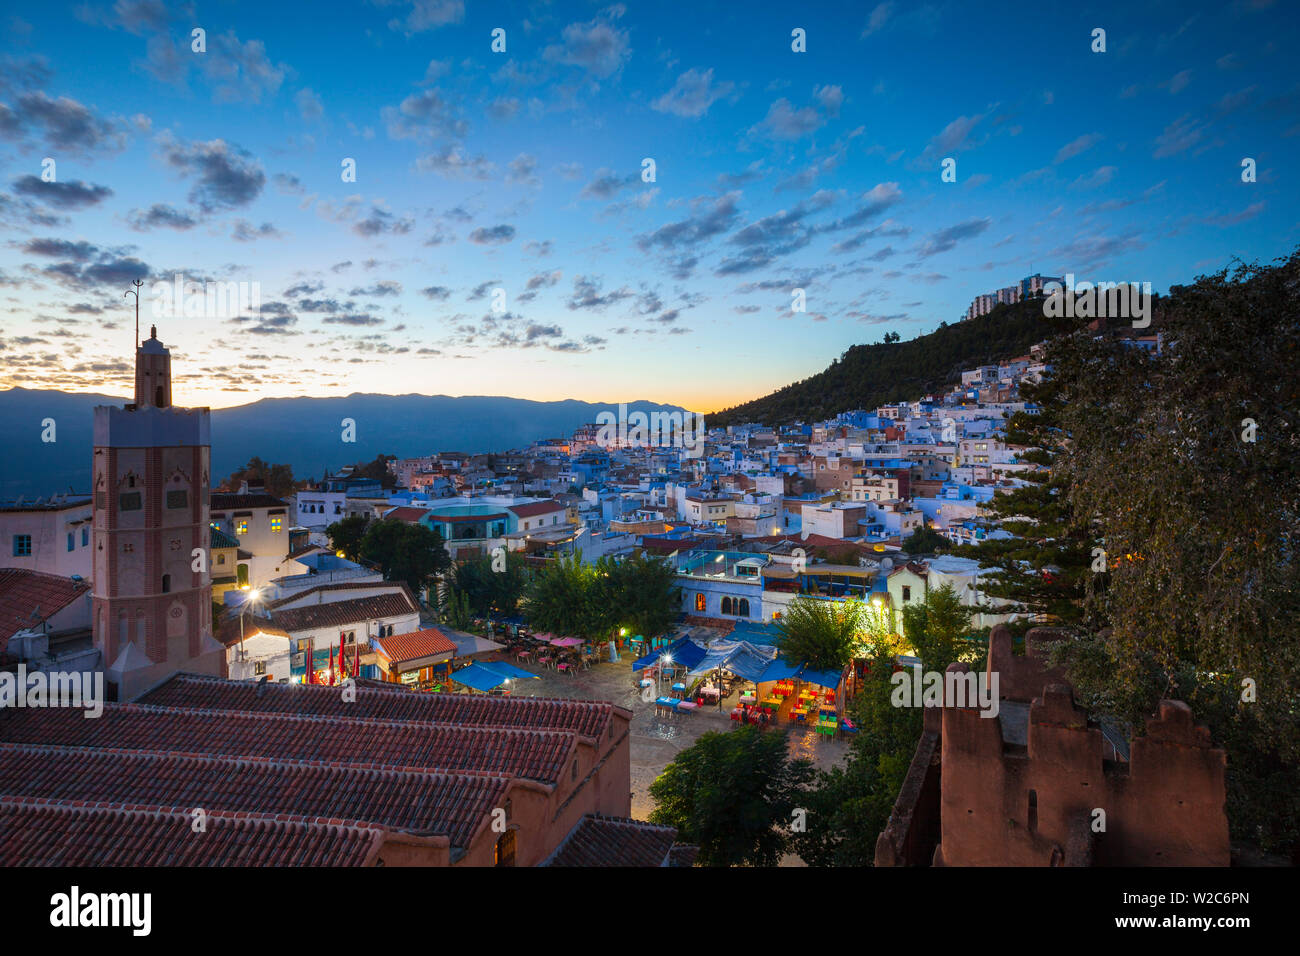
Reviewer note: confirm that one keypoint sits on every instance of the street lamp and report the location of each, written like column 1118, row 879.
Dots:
column 666, row 659
column 249, row 597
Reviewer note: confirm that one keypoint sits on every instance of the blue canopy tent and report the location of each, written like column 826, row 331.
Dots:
column 509, row 671
column 829, row 679
column 756, row 632
column 683, row 651
column 479, row 677
column 779, row 669
column 487, row 677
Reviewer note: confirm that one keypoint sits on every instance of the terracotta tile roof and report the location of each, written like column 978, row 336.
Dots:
column 411, row 745
column 407, row 514
column 57, row 833
column 228, row 629
column 22, row 592
column 683, row 855
column 540, row 508
column 407, row 801
column 341, row 586
column 399, row 648
column 614, row 841
column 587, row 718
column 340, row 613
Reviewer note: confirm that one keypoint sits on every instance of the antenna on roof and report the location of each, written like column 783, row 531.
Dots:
column 135, row 292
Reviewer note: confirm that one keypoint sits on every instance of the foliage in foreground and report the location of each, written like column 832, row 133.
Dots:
column 734, row 795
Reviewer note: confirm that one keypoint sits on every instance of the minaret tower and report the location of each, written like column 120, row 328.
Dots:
column 152, row 584
column 153, row 373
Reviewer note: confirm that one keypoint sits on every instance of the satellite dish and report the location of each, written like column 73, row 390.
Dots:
column 886, row 563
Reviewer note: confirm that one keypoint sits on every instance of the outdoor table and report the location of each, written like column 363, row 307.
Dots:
column 685, row 705
column 772, row 701
column 646, row 683
column 747, row 696
column 798, row 712
column 562, row 667
column 827, row 727
column 709, row 692
column 523, row 655
column 679, row 686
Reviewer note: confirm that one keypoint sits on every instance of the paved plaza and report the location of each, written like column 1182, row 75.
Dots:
column 657, row 740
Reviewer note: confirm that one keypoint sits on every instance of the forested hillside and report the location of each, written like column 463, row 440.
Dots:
column 869, row 375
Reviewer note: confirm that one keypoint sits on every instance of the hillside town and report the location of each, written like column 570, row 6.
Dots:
column 234, row 631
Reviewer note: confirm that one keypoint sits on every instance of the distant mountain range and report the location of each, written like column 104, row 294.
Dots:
column 304, row 432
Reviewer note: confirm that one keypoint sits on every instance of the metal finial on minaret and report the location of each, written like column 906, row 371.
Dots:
column 135, row 292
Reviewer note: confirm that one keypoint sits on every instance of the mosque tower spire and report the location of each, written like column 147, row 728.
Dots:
column 153, row 373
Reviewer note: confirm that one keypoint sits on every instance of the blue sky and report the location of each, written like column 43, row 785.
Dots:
column 522, row 171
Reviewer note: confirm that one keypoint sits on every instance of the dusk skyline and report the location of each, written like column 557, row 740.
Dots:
column 522, row 170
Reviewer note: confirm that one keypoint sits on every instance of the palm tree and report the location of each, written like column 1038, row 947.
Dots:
column 824, row 634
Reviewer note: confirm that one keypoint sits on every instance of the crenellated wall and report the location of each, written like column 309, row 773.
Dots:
column 1034, row 787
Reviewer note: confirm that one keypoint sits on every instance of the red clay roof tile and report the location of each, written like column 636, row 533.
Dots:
column 22, row 592
column 587, row 718
column 408, row 801
column 413, row 745
column 56, row 833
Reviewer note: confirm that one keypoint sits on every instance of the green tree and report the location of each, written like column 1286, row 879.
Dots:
column 591, row 601
column 565, row 598
column 492, row 593
column 413, row 553
column 641, row 592
column 925, row 540
column 346, row 534
column 1186, row 461
column 825, row 634
column 939, row 629
column 377, row 470
column 456, row 611
column 278, row 479
column 733, row 794
column 1044, row 570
